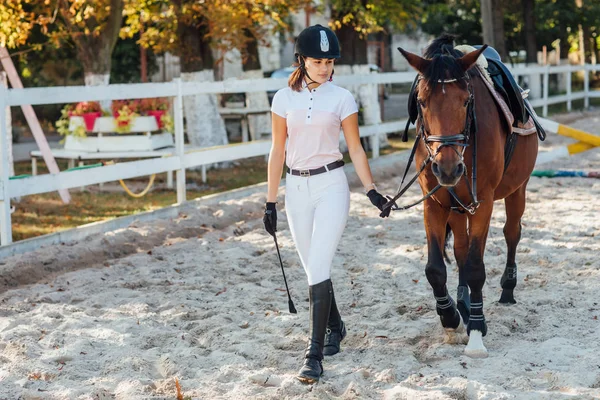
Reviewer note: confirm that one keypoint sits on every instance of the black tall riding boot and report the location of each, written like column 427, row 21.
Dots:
column 336, row 329
column 320, row 303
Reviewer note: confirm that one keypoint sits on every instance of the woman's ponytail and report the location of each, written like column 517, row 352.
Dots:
column 296, row 78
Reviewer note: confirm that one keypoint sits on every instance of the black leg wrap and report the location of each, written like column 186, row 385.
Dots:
column 336, row 329
column 446, row 309
column 463, row 302
column 508, row 283
column 477, row 319
column 320, row 305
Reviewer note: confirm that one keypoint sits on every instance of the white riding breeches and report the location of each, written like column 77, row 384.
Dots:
column 317, row 210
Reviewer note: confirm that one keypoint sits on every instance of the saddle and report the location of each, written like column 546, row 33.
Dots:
column 509, row 96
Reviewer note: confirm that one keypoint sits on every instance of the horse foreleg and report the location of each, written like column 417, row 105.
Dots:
column 475, row 269
column 458, row 223
column 435, row 270
column 515, row 207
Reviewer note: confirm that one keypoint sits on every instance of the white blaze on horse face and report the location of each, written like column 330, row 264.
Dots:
column 475, row 347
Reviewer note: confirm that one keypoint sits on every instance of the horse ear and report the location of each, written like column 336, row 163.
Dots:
column 419, row 63
column 469, row 59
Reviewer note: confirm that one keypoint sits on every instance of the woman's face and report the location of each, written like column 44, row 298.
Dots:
column 319, row 69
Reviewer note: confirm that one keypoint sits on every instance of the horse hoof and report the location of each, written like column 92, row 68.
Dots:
column 475, row 347
column 457, row 335
column 507, row 297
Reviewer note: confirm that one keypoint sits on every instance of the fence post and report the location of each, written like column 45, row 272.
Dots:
column 586, row 87
column 569, row 90
column 545, row 108
column 5, row 219
column 179, row 143
column 375, row 142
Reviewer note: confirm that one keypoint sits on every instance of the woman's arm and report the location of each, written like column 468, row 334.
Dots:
column 356, row 151
column 276, row 156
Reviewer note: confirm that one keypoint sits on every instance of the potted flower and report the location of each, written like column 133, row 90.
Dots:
column 124, row 112
column 124, row 118
column 62, row 125
column 90, row 111
column 156, row 107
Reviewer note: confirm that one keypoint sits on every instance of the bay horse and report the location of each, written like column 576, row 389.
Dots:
column 461, row 150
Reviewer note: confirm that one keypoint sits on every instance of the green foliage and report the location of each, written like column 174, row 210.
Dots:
column 554, row 19
column 228, row 24
column 126, row 62
column 373, row 16
column 62, row 125
column 461, row 17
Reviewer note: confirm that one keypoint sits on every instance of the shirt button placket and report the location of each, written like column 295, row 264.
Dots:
column 310, row 107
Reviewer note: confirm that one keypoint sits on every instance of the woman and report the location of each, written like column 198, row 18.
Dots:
column 309, row 114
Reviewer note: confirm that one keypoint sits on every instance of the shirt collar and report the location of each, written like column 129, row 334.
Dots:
column 322, row 85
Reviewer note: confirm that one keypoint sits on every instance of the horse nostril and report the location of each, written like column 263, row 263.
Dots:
column 435, row 168
column 460, row 169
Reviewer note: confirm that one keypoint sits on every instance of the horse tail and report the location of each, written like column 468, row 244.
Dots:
column 447, row 244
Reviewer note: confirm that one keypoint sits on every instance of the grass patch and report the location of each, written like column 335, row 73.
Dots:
column 41, row 214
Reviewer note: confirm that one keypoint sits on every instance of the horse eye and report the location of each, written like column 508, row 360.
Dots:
column 421, row 103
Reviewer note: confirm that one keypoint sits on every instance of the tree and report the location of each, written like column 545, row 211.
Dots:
column 529, row 25
column 354, row 20
column 459, row 17
column 492, row 15
column 192, row 30
column 92, row 26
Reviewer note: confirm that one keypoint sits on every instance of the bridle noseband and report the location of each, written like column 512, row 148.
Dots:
column 457, row 140
column 460, row 139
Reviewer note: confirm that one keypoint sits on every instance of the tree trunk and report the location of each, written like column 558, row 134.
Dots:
column 194, row 48
column 354, row 60
column 95, row 52
column 257, row 124
column 204, row 125
column 353, row 48
column 529, row 21
column 492, row 16
column 588, row 43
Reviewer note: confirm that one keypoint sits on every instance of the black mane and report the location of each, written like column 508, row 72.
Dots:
column 444, row 64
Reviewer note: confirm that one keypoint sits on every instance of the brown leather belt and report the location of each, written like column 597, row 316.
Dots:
column 316, row 171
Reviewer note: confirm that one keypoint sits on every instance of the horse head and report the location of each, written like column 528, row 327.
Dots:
column 445, row 104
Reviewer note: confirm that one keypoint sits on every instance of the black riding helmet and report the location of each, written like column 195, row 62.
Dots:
column 317, row 41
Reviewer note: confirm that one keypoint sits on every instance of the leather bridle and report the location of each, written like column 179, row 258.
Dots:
column 460, row 140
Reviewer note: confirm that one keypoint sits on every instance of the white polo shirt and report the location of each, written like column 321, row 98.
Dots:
column 314, row 119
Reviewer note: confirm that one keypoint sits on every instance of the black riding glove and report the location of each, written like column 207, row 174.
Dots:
column 378, row 201
column 270, row 218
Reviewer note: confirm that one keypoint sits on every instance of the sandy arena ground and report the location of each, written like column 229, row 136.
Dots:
column 201, row 298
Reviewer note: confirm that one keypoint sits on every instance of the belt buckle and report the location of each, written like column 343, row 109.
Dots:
column 305, row 172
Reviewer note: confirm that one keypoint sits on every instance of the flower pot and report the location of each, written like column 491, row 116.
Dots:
column 158, row 115
column 147, row 142
column 90, row 119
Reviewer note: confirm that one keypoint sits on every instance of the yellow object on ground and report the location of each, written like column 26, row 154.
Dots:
column 128, row 191
column 579, row 135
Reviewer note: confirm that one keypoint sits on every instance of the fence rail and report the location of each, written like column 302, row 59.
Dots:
column 183, row 159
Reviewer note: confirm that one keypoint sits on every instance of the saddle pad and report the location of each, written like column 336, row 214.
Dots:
column 521, row 129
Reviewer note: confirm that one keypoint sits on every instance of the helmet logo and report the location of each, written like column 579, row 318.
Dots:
column 324, row 42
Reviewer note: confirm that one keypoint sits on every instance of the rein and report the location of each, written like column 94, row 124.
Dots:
column 461, row 140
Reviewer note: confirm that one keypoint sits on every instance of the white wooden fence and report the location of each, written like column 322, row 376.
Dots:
column 568, row 98
column 182, row 159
